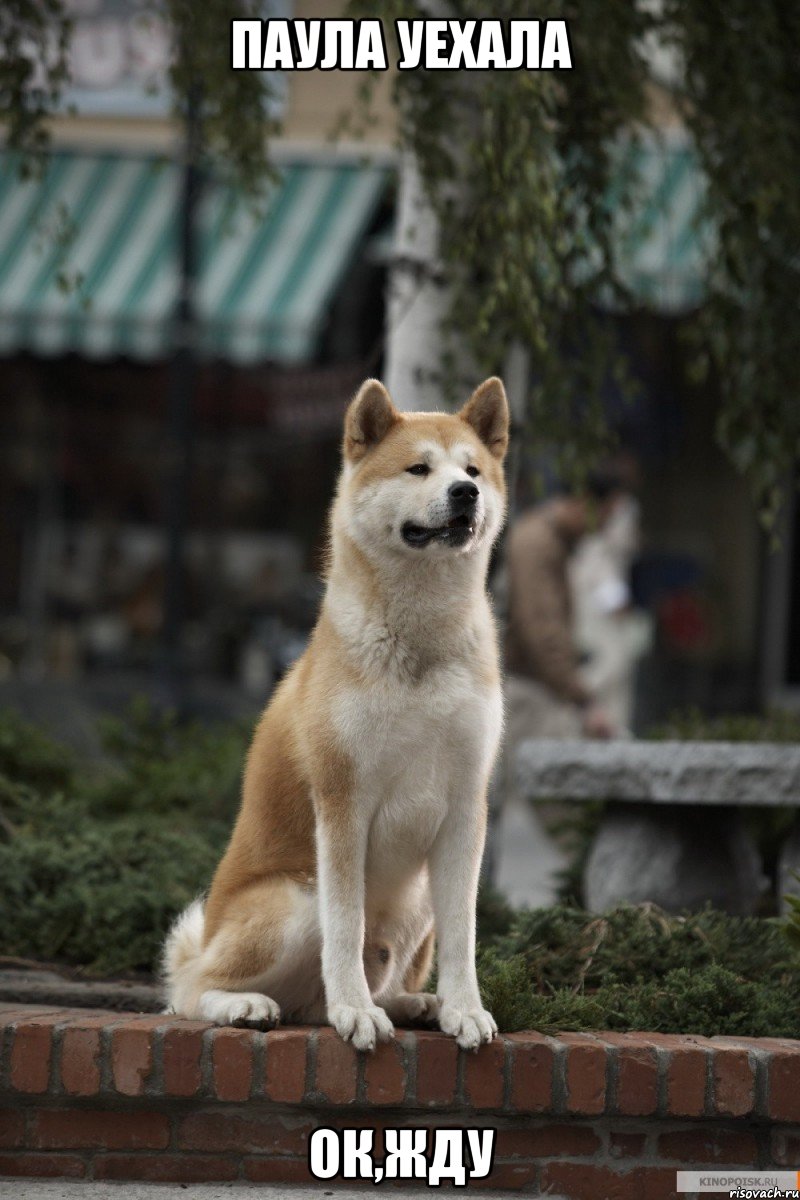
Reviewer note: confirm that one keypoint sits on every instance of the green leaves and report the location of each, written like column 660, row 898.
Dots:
column 519, row 167
column 637, row 968
column 96, row 859
column 743, row 109
column 791, row 925
column 235, row 106
column 33, row 46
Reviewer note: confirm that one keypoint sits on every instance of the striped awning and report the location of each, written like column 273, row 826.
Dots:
column 663, row 246
column 89, row 257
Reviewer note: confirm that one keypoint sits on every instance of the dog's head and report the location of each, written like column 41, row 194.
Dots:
column 424, row 484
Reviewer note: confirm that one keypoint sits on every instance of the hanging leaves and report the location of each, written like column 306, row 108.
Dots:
column 520, row 168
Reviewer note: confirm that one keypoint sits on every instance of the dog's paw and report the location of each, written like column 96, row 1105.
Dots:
column 361, row 1026
column 469, row 1026
column 250, row 1009
column 413, row 1006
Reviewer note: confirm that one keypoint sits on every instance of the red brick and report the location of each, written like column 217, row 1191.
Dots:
column 374, row 1123
column 182, row 1050
column 132, row 1058
column 286, row 1065
column 626, row 1145
column 166, row 1168
column 508, row 1177
column 91, row 1019
column 585, row 1074
column 337, row 1067
column 658, row 1183
column 785, row 1148
column 784, row 1085
column 41, row 1166
column 751, row 1043
column 437, row 1061
column 278, row 1170
column 10, row 1013
column 220, row 1132
column 637, row 1074
column 686, row 1082
column 532, row 1059
column 31, row 1054
column 709, row 1147
column 483, row 1075
column 73, row 1129
column 232, row 1063
column 385, row 1073
column 581, row 1181
column 80, row 1061
column 734, row 1083
column 547, row 1141
column 686, row 1073
column 12, row 1128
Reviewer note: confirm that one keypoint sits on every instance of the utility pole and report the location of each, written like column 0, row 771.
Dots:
column 179, row 433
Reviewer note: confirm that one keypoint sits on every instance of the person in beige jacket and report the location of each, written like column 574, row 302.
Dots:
column 546, row 694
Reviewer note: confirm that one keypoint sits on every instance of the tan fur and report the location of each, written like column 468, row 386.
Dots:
column 417, row 974
column 304, row 770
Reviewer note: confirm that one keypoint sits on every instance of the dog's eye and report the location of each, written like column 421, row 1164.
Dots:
column 472, row 471
column 419, row 469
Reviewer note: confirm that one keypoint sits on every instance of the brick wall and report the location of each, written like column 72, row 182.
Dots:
column 102, row 1095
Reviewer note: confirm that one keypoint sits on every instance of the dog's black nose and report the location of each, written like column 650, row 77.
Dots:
column 462, row 494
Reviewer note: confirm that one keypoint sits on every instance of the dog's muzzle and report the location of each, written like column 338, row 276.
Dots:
column 462, row 498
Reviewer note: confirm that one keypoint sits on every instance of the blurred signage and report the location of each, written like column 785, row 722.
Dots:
column 119, row 57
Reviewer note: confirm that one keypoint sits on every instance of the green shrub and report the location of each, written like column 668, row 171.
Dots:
column 95, row 863
column 96, row 860
column 692, row 725
column 30, row 756
column 160, row 765
column 100, row 894
column 637, row 968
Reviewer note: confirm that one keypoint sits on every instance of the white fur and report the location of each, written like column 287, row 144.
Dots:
column 423, row 747
column 422, row 728
column 239, row 1008
column 184, row 943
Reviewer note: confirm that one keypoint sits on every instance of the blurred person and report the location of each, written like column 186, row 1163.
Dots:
column 611, row 634
column 547, row 695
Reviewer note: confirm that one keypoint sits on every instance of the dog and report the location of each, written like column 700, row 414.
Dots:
column 363, row 812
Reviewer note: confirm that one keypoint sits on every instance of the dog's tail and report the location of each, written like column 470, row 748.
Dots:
column 180, row 959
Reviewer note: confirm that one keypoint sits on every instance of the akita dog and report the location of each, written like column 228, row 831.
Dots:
column 363, row 814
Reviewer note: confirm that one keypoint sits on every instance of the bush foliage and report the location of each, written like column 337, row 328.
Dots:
column 96, row 859
column 637, row 968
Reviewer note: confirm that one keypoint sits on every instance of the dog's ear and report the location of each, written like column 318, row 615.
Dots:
column 369, row 418
column 487, row 412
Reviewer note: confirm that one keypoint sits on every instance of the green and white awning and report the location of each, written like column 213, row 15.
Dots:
column 88, row 252
column 88, row 257
column 663, row 246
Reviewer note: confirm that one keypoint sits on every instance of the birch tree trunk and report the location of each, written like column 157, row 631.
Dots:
column 417, row 299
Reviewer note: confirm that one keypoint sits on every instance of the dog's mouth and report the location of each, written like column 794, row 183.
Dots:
column 456, row 532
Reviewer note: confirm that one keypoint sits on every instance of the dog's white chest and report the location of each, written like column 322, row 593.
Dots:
column 415, row 751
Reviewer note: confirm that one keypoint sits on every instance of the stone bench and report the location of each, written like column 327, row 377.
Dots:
column 672, row 831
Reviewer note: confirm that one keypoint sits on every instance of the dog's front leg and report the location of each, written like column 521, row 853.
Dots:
column 454, row 866
column 341, row 857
